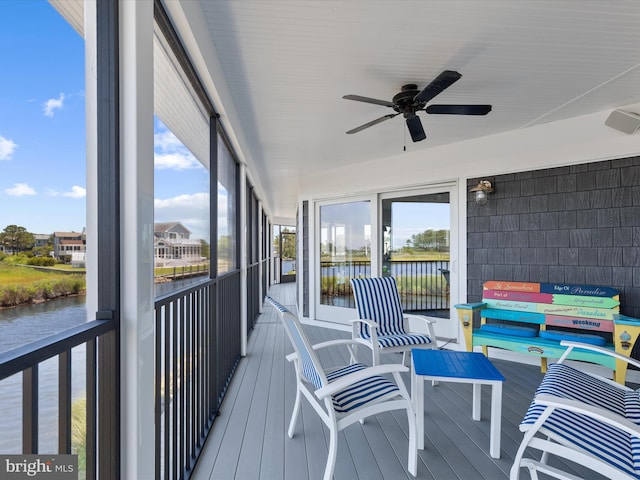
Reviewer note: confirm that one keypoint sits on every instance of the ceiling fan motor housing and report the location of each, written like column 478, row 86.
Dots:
column 403, row 102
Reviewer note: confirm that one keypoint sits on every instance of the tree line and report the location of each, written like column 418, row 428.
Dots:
column 16, row 239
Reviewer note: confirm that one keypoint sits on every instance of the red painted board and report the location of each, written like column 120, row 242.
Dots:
column 518, row 296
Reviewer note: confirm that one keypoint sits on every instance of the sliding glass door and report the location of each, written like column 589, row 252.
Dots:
column 410, row 235
column 416, row 236
column 345, row 251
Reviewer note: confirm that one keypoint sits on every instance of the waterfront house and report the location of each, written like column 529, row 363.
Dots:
column 173, row 243
column 255, row 90
column 65, row 244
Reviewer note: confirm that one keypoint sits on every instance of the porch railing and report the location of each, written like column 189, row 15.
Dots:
column 195, row 359
column 423, row 284
column 96, row 336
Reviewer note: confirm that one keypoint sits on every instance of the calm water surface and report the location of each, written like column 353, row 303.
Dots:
column 23, row 325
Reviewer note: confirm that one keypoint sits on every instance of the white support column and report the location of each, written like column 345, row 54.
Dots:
column 242, row 231
column 91, row 109
column 136, row 197
column 260, row 250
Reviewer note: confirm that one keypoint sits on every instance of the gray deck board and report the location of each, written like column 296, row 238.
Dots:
column 249, row 439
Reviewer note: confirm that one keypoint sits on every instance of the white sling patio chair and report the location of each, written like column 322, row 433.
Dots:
column 584, row 419
column 382, row 325
column 344, row 395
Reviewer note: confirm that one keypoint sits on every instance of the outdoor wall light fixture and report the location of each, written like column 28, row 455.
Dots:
column 481, row 192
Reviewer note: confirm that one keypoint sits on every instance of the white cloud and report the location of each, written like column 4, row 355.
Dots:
column 195, row 200
column 176, row 161
column 166, row 140
column 192, row 210
column 76, row 192
column 7, row 147
column 53, row 104
column 170, row 153
column 19, row 190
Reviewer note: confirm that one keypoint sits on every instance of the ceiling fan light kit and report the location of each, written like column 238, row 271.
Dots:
column 410, row 100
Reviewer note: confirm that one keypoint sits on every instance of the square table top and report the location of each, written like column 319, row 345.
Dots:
column 454, row 364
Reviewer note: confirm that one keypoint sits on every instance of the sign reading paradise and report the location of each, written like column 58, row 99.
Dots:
column 562, row 305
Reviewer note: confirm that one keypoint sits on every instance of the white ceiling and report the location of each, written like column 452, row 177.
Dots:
column 282, row 67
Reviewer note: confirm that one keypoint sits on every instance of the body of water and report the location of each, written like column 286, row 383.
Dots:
column 20, row 326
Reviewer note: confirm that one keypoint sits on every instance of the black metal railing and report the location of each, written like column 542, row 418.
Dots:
column 197, row 350
column 253, row 295
column 423, row 284
column 95, row 336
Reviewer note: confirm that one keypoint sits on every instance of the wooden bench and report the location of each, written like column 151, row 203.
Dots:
column 533, row 318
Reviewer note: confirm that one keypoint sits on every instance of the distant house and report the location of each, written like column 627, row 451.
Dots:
column 41, row 239
column 65, row 244
column 172, row 242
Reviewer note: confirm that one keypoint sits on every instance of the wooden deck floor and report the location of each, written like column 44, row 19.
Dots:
column 249, row 440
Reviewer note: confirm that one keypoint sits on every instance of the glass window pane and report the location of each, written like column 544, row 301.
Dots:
column 181, row 211
column 345, row 250
column 416, row 250
column 227, row 194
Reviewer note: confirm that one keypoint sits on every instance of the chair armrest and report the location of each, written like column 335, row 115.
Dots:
column 348, row 380
column 428, row 321
column 422, row 318
column 605, row 416
column 373, row 329
column 583, row 346
column 370, row 323
column 330, row 343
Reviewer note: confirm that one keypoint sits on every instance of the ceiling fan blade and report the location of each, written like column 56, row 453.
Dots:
column 372, row 123
column 415, row 128
column 442, row 81
column 375, row 101
column 459, row 109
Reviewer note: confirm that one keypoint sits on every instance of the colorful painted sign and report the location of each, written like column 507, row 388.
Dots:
column 582, row 323
column 513, row 286
column 529, row 317
column 518, row 296
column 512, row 305
column 587, row 290
column 582, row 312
column 584, row 301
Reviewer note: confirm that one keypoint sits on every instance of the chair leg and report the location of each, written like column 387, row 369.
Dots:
column 333, row 452
column 412, row 463
column 295, row 413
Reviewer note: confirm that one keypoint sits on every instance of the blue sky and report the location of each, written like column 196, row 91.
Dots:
column 42, row 132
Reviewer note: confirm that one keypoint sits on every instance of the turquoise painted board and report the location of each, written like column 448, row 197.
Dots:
column 510, row 305
column 541, row 348
column 527, row 317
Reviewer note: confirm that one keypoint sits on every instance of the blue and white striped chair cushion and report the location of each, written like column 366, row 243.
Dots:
column 366, row 391
column 403, row 339
column 309, row 369
column 377, row 299
column 605, row 442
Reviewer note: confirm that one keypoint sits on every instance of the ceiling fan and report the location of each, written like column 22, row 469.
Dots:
column 410, row 100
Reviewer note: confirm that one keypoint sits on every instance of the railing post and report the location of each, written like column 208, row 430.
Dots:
column 30, row 410
column 64, row 402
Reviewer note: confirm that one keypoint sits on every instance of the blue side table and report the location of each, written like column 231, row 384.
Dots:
column 460, row 367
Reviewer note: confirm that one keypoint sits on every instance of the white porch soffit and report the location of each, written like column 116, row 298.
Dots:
column 175, row 103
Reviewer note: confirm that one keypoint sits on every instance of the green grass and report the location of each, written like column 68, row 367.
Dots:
column 20, row 285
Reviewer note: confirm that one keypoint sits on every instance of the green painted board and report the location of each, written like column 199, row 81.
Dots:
column 584, row 301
